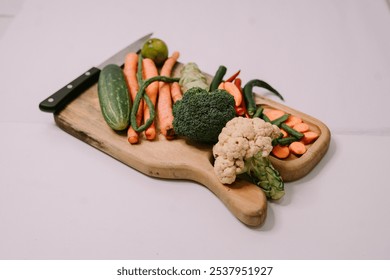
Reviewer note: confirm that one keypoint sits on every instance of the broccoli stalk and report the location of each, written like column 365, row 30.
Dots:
column 259, row 170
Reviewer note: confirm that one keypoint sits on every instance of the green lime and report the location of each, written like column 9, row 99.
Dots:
column 155, row 49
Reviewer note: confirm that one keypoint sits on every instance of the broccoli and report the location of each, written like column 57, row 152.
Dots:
column 200, row 115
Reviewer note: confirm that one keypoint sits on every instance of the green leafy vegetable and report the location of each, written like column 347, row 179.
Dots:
column 200, row 115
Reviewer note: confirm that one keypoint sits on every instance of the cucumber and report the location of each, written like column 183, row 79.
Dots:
column 114, row 99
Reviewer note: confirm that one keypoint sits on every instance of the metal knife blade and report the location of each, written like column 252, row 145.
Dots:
column 63, row 96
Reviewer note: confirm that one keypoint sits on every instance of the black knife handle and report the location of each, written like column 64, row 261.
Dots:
column 66, row 94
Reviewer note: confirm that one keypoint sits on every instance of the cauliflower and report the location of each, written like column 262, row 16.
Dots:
column 243, row 147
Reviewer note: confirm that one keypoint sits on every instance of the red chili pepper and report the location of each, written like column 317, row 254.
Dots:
column 231, row 79
column 243, row 111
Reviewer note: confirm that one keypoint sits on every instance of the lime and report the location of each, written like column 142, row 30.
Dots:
column 155, row 49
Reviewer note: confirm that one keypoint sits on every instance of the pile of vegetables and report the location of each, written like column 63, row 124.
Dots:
column 144, row 98
column 129, row 97
column 295, row 133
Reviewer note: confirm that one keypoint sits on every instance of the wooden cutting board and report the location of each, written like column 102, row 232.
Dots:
column 177, row 159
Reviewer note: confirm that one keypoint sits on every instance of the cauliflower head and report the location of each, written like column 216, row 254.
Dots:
column 243, row 147
column 239, row 140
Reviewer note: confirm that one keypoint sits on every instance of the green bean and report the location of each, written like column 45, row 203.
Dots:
column 218, row 78
column 141, row 94
column 249, row 96
column 286, row 141
column 291, row 131
column 265, row 118
column 139, row 70
column 280, row 120
column 275, row 141
column 258, row 112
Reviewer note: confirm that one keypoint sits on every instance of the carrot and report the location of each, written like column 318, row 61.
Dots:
column 293, row 120
column 166, row 69
column 164, row 103
column 233, row 77
column 234, row 90
column 221, row 85
column 164, row 110
column 281, row 151
column 149, row 71
column 176, row 92
column 301, row 127
column 309, row 137
column 285, row 134
column 297, row 148
column 273, row 114
column 130, row 72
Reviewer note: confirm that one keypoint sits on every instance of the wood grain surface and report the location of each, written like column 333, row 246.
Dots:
column 178, row 159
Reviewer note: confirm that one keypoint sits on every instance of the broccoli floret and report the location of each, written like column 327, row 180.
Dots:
column 200, row 115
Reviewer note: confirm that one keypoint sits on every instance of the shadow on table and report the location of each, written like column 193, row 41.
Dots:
column 292, row 187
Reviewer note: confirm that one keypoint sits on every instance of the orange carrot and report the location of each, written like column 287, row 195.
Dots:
column 273, row 114
column 166, row 69
column 130, row 72
column 281, row 152
column 285, row 134
column 297, row 148
column 221, row 85
column 150, row 70
column 293, row 120
column 176, row 92
column 164, row 110
column 164, row 103
column 234, row 90
column 301, row 127
column 309, row 137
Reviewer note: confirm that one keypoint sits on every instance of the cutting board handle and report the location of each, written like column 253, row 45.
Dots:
column 244, row 199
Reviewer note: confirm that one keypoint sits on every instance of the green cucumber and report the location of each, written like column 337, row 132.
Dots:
column 114, row 99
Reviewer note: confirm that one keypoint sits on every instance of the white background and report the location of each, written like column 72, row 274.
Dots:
column 62, row 199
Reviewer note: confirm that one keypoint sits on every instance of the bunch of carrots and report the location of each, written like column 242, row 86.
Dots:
column 160, row 93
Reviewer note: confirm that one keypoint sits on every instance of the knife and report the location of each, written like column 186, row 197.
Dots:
column 62, row 97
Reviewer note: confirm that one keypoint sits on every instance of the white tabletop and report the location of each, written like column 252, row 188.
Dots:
column 62, row 199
